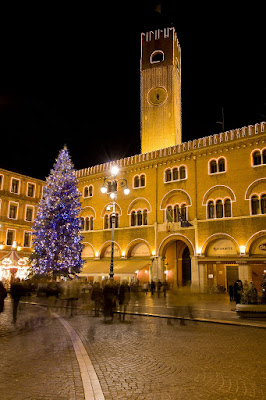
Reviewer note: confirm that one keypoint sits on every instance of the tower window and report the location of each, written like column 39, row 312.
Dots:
column 157, row 57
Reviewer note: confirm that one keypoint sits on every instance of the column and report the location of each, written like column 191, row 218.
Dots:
column 195, row 276
column 245, row 272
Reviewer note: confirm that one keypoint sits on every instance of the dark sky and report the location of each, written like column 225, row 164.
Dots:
column 71, row 76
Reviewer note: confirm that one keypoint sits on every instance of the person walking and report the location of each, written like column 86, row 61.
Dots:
column 3, row 295
column 152, row 287
column 123, row 298
column 16, row 291
column 97, row 297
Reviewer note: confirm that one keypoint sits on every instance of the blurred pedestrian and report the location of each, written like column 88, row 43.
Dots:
column 97, row 297
column 231, row 292
column 238, row 289
column 109, row 299
column 159, row 285
column 145, row 287
column 72, row 295
column 17, row 291
column 3, row 295
column 123, row 298
column 152, row 287
column 165, row 286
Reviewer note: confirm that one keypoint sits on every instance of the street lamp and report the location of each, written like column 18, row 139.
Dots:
column 110, row 186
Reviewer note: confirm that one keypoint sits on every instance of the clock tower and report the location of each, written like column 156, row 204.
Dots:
column 160, row 69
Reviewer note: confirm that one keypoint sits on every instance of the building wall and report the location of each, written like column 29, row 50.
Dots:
column 22, row 198
column 238, row 182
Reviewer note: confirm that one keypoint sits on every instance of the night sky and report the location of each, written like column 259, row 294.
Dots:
column 71, row 76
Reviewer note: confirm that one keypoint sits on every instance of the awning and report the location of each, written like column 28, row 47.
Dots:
column 121, row 267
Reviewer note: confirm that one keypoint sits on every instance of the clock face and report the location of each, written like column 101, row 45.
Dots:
column 157, row 96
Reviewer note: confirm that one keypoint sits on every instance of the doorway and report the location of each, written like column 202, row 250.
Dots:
column 231, row 274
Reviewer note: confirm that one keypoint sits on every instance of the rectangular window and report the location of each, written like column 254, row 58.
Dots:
column 26, row 242
column 10, row 237
column 14, row 186
column 1, row 181
column 29, row 214
column 31, row 190
column 13, row 209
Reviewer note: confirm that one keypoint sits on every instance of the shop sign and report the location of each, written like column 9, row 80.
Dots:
column 222, row 247
column 262, row 246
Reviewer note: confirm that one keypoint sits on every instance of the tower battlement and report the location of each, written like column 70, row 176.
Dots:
column 159, row 34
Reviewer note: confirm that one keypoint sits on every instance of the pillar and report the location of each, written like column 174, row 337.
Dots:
column 245, row 272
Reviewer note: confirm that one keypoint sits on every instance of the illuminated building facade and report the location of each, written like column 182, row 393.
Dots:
column 196, row 212
column 19, row 198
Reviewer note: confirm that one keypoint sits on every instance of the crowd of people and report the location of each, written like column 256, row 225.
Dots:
column 108, row 296
column 244, row 293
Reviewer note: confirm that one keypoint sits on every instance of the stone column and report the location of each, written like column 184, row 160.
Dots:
column 202, row 277
column 244, row 272
column 195, row 276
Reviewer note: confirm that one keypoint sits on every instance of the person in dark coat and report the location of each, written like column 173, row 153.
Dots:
column 152, row 287
column 123, row 298
column 97, row 297
column 231, row 292
column 109, row 299
column 3, row 295
column 238, row 289
column 16, row 291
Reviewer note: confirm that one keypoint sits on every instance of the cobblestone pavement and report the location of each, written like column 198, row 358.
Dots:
column 37, row 358
column 142, row 358
column 146, row 358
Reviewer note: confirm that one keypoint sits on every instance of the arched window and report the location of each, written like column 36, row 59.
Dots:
column 116, row 220
column 264, row 156
column 142, row 180
column 256, row 158
column 168, row 175
column 157, row 57
column 169, row 214
column 86, row 191
column 182, row 172
column 136, row 181
column 145, row 217
column 176, row 213
column 263, row 204
column 175, row 174
column 210, row 209
column 221, row 164
column 90, row 191
column 219, row 209
column 227, row 208
column 133, row 218
column 82, row 222
column 183, row 211
column 106, row 219
column 255, row 205
column 91, row 223
column 87, row 224
column 139, row 217
column 213, row 166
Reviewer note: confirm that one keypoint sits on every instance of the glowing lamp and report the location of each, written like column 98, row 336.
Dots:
column 112, row 195
column 242, row 249
column 126, row 191
column 114, row 170
column 103, row 189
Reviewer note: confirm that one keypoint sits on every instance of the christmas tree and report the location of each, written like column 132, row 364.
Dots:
column 56, row 229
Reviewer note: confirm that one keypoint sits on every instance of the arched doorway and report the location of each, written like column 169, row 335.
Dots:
column 177, row 263
column 186, row 267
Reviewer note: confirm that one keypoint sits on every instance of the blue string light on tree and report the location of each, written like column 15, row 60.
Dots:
column 56, row 229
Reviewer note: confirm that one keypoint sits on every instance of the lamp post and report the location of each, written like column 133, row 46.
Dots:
column 110, row 186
